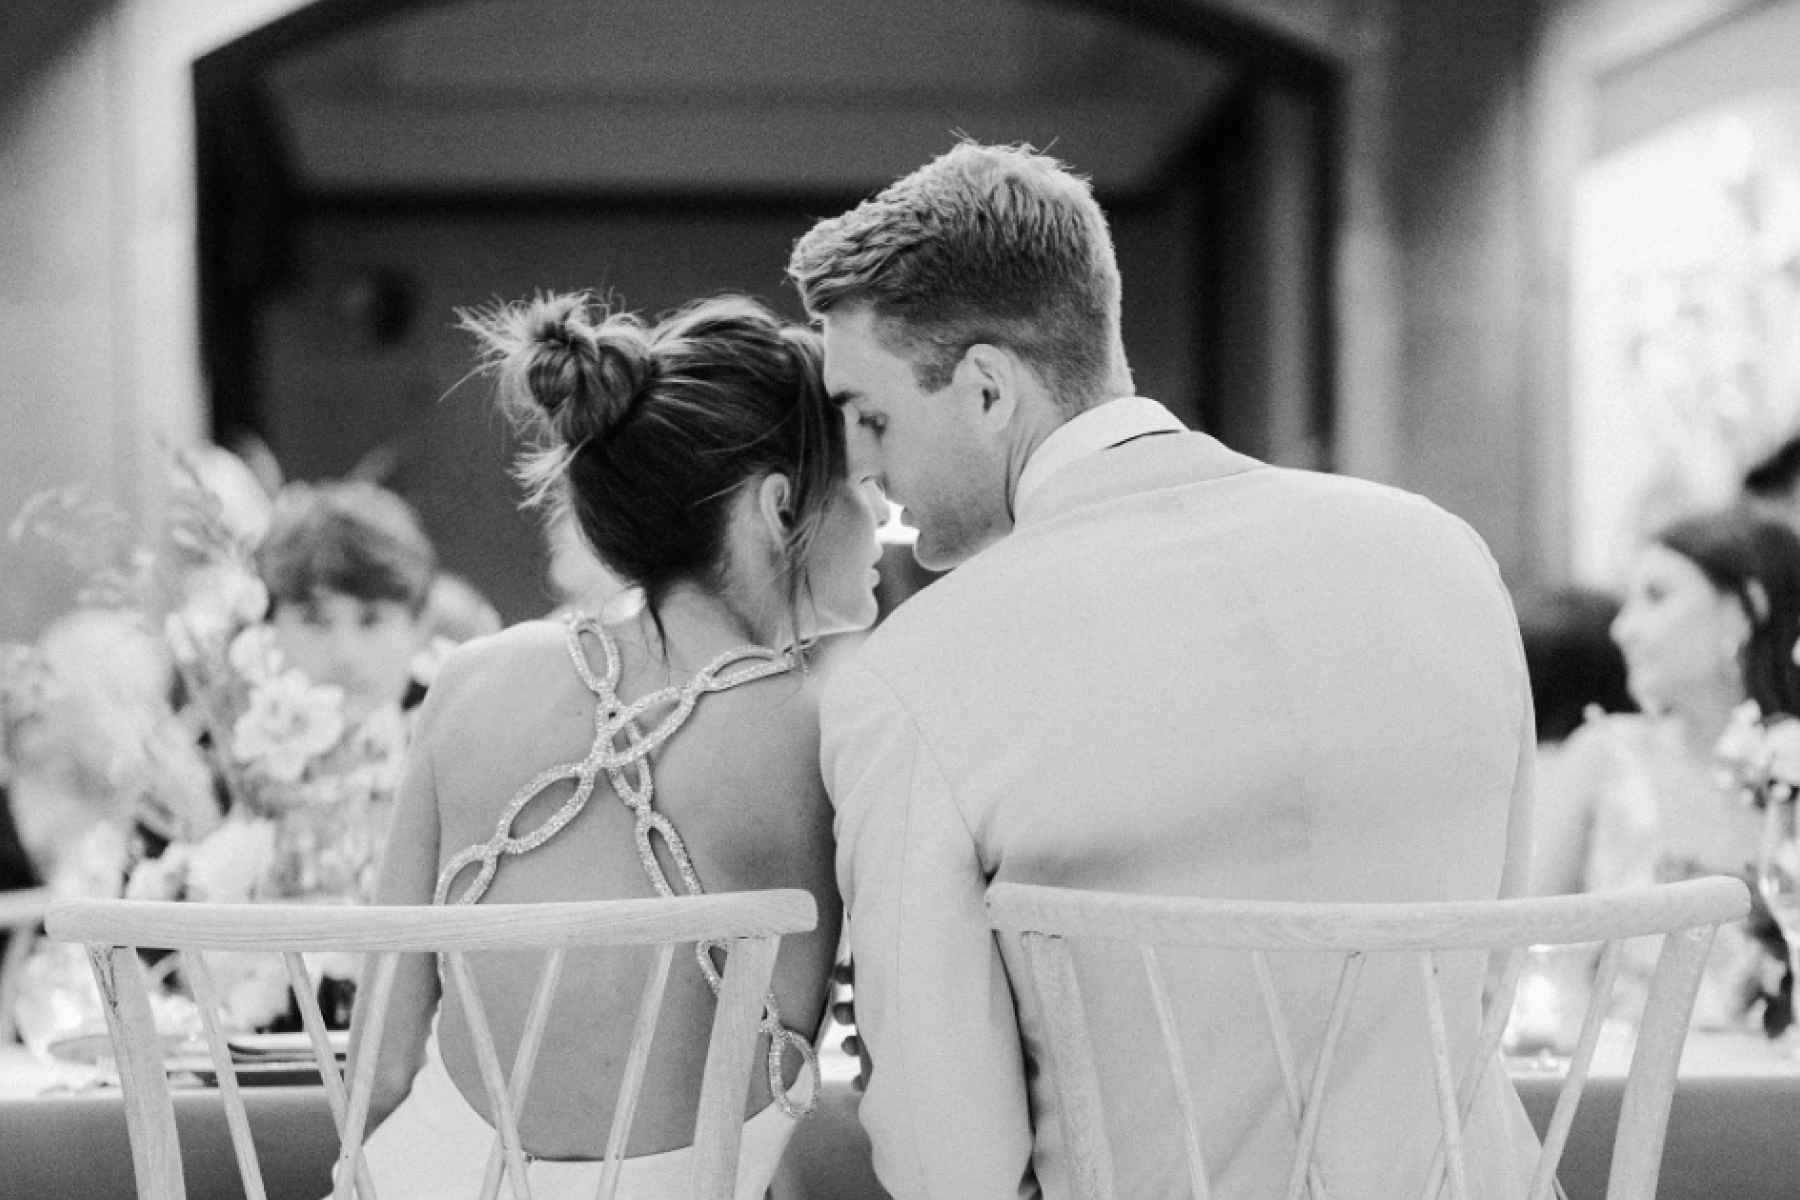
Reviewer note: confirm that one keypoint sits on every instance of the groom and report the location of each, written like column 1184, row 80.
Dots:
column 1159, row 667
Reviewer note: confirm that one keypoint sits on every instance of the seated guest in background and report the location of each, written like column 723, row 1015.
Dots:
column 1710, row 619
column 1158, row 667
column 1772, row 486
column 349, row 571
column 706, row 468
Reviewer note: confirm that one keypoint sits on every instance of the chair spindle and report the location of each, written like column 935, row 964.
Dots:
column 1284, row 1055
column 525, row 1062
column 1184, row 1092
column 1348, row 977
column 1442, row 1078
column 362, row 1079
column 493, row 1080
column 1644, row 1111
column 206, row 999
column 631, row 1083
column 1072, row 1070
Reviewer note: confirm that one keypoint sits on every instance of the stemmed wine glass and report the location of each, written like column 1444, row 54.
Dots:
column 1778, row 873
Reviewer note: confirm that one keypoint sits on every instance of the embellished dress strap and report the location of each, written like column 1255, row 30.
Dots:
column 627, row 769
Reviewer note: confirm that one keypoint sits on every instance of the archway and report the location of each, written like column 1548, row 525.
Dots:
column 366, row 168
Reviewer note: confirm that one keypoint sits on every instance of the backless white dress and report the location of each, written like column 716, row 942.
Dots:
column 435, row 1145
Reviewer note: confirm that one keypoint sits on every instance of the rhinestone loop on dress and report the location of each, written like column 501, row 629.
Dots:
column 614, row 720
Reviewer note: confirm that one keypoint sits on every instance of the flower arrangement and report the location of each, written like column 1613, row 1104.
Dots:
column 222, row 773
column 1758, row 759
column 311, row 783
column 1758, row 756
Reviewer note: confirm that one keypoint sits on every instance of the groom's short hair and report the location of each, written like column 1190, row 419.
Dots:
column 995, row 244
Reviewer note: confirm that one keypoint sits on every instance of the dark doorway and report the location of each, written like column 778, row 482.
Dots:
column 368, row 168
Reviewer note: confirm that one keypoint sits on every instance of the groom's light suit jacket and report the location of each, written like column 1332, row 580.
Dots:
column 1186, row 673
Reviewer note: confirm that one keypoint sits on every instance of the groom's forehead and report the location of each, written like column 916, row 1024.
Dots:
column 861, row 363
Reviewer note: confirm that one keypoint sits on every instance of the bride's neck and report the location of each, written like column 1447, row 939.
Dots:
column 698, row 625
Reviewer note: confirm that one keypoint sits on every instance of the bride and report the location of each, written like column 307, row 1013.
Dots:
column 702, row 461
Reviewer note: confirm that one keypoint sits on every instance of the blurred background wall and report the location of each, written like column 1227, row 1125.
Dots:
column 1346, row 226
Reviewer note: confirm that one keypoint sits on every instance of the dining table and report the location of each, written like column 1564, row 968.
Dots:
column 1734, row 1130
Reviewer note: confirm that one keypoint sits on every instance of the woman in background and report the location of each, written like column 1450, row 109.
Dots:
column 703, row 465
column 1710, row 618
column 349, row 570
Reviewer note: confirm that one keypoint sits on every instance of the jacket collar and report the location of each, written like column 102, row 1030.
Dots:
column 1145, row 464
column 1099, row 428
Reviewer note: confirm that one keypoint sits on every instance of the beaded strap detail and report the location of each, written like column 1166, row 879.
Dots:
column 613, row 721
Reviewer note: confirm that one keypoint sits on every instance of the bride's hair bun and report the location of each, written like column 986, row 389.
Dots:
column 564, row 364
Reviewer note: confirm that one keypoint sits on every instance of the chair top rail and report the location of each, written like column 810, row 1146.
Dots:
column 405, row 928
column 1435, row 925
column 23, row 906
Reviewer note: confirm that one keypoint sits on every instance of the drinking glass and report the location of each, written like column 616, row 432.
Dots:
column 1778, row 873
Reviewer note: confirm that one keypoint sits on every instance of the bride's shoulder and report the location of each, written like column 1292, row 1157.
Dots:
column 517, row 648
column 777, row 705
column 487, row 673
column 767, row 727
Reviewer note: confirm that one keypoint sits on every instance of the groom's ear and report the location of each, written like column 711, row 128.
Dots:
column 775, row 504
column 990, row 377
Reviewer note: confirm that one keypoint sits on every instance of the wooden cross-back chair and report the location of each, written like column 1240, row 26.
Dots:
column 749, row 925
column 1688, row 913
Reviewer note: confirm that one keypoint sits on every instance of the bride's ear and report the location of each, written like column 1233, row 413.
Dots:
column 775, row 505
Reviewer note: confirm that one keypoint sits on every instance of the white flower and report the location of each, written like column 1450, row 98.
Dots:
column 181, row 640
column 430, row 659
column 254, row 987
column 162, row 878
column 290, row 722
column 228, row 866
column 221, row 599
column 1758, row 757
column 1743, row 749
column 205, row 620
column 381, row 736
column 254, row 655
column 1742, row 741
column 93, row 867
column 248, row 597
column 370, row 781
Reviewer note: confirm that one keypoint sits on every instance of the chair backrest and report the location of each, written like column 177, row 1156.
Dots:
column 749, row 925
column 21, row 912
column 1687, row 913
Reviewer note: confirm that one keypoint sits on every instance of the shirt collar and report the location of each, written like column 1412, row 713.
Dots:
column 1099, row 428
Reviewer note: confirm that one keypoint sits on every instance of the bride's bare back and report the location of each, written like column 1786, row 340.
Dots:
column 738, row 780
